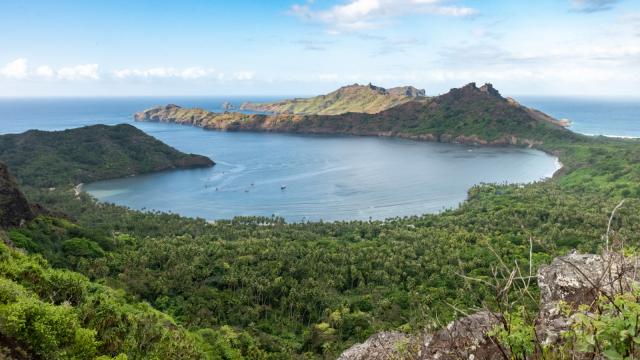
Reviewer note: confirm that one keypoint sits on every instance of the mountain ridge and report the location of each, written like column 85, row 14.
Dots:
column 469, row 115
column 350, row 98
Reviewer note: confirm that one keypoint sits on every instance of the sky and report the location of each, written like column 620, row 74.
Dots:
column 308, row 47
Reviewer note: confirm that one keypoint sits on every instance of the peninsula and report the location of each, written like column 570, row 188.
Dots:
column 469, row 115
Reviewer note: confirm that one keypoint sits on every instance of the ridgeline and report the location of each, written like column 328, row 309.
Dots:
column 468, row 115
column 352, row 98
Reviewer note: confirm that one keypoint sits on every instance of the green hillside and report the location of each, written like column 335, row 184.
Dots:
column 91, row 153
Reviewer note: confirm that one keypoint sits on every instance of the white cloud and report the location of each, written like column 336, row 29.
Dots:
column 190, row 73
column 366, row 14
column 243, row 75
column 17, row 69
column 45, row 71
column 79, row 72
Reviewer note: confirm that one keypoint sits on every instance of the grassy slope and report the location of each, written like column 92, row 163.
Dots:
column 43, row 159
column 354, row 98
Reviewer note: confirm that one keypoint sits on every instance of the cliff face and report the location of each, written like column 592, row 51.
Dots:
column 91, row 153
column 468, row 115
column 14, row 207
column 353, row 98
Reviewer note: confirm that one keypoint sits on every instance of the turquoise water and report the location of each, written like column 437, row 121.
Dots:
column 326, row 177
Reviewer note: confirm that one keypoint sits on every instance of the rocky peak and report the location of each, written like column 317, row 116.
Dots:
column 489, row 89
column 14, row 207
column 377, row 89
column 471, row 91
column 409, row 91
column 469, row 86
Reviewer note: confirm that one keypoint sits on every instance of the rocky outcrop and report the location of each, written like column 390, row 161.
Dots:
column 578, row 279
column 465, row 338
column 227, row 106
column 462, row 339
column 14, row 207
column 381, row 346
column 409, row 91
column 574, row 279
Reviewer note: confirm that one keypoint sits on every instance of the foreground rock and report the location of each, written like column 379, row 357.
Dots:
column 381, row 346
column 574, row 279
column 578, row 279
column 465, row 339
column 462, row 339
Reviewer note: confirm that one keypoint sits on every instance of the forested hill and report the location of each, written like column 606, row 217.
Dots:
column 470, row 114
column 91, row 153
column 352, row 98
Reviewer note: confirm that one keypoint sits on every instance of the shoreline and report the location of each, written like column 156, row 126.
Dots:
column 544, row 176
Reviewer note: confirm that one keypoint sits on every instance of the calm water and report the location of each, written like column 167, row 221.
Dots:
column 330, row 178
column 611, row 117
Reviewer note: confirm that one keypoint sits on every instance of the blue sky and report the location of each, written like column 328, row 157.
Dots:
column 304, row 47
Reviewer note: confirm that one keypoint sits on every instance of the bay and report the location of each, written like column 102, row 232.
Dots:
column 303, row 177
